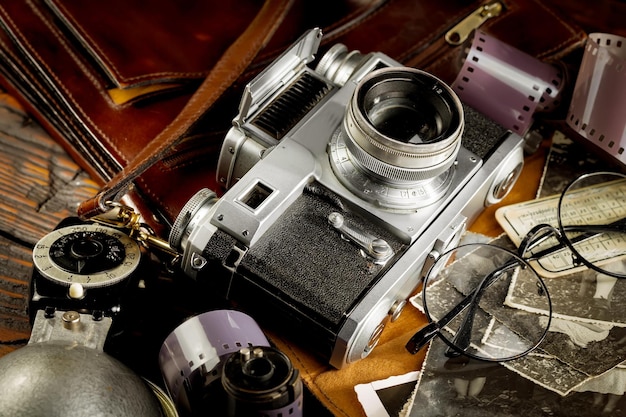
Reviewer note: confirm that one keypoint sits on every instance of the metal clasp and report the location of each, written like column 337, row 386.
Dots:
column 124, row 217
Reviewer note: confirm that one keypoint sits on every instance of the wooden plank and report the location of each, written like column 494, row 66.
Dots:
column 39, row 186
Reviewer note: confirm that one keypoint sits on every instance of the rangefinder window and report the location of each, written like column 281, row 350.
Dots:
column 256, row 196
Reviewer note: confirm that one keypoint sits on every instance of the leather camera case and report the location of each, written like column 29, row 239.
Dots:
column 108, row 79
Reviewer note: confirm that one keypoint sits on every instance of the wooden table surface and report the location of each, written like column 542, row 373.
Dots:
column 39, row 186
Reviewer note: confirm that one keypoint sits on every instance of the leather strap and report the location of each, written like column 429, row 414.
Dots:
column 226, row 71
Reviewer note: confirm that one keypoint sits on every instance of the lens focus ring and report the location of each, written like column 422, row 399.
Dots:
column 395, row 173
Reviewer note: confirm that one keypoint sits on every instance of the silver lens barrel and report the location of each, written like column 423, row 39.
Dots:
column 404, row 124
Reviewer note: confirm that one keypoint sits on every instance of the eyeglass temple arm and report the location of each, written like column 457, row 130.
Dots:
column 423, row 336
column 617, row 226
column 462, row 337
column 542, row 232
column 428, row 332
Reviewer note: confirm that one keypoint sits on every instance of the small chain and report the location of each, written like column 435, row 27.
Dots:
column 124, row 217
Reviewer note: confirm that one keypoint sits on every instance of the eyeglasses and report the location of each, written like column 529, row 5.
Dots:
column 466, row 294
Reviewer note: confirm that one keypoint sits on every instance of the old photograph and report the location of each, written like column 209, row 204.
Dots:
column 473, row 388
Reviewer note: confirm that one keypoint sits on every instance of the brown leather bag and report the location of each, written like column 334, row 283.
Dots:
column 142, row 95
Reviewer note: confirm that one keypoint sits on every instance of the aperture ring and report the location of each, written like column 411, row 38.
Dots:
column 391, row 172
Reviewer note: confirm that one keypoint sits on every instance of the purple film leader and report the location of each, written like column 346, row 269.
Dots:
column 506, row 84
column 192, row 355
column 596, row 111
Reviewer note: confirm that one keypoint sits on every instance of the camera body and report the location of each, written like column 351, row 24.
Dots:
column 344, row 182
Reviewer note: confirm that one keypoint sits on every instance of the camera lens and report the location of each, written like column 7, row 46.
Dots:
column 407, row 119
column 399, row 110
column 402, row 128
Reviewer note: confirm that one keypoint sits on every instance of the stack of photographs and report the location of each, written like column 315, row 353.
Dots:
column 580, row 367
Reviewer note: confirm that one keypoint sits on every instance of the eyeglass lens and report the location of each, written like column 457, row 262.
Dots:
column 592, row 219
column 474, row 287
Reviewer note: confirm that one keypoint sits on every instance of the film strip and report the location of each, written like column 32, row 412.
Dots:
column 221, row 363
column 201, row 343
column 596, row 111
column 507, row 84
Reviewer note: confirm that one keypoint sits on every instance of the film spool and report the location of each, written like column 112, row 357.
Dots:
column 596, row 110
column 507, row 84
column 190, row 356
column 261, row 381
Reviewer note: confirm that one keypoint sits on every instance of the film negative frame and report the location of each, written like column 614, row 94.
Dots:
column 596, row 110
column 507, row 84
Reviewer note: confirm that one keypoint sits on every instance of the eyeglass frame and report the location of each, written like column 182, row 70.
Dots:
column 532, row 238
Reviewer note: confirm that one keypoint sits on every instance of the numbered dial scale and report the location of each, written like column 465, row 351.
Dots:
column 91, row 255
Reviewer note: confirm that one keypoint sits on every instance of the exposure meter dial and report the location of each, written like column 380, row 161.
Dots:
column 91, row 255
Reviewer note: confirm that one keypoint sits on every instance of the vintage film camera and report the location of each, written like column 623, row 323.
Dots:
column 344, row 183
